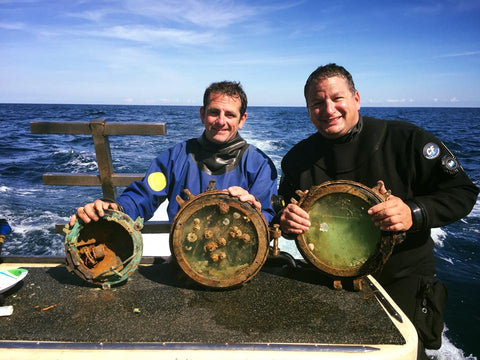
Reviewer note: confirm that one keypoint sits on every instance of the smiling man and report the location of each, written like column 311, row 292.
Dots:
column 219, row 154
column 429, row 188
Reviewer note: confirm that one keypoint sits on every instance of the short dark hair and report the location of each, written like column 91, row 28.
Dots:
column 230, row 88
column 327, row 71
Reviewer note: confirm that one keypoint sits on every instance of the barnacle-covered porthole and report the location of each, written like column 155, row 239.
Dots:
column 104, row 252
column 217, row 240
column 342, row 240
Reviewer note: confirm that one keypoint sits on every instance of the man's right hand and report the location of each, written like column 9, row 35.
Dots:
column 92, row 211
column 294, row 220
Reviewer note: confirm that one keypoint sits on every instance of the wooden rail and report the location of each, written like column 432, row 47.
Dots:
column 99, row 129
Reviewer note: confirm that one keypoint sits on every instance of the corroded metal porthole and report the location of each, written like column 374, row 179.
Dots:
column 343, row 241
column 217, row 240
column 104, row 252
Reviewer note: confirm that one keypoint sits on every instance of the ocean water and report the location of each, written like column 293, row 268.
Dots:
column 33, row 208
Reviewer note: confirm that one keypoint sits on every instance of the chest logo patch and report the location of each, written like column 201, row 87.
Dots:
column 431, row 151
column 157, row 181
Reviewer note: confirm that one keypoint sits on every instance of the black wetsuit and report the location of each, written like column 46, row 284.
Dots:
column 414, row 165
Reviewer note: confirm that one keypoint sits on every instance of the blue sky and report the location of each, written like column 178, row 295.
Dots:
column 400, row 53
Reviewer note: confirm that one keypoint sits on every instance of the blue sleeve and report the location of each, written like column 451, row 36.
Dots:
column 262, row 179
column 142, row 198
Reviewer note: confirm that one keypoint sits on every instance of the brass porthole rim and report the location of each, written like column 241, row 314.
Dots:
column 369, row 195
column 212, row 198
column 127, row 225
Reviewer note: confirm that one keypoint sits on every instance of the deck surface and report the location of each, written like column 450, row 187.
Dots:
column 158, row 305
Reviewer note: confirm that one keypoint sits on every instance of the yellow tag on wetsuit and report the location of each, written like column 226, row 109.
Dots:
column 157, row 181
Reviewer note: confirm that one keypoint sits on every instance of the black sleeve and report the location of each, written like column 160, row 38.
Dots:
column 442, row 189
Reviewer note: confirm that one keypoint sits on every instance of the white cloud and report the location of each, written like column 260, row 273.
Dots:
column 154, row 35
column 12, row 25
column 454, row 99
column 465, row 53
column 92, row 15
column 215, row 14
column 209, row 14
column 396, row 100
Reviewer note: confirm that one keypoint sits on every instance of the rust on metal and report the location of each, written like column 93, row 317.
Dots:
column 106, row 251
column 223, row 207
column 217, row 240
column 343, row 242
column 275, row 234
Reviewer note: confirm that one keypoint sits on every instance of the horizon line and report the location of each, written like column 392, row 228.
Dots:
column 249, row 106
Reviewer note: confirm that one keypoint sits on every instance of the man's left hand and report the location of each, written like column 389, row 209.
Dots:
column 244, row 195
column 392, row 215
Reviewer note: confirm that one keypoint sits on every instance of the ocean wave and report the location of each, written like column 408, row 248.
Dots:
column 449, row 260
column 438, row 236
column 476, row 210
column 5, row 189
column 81, row 164
column 75, row 161
column 448, row 351
column 267, row 146
column 30, row 235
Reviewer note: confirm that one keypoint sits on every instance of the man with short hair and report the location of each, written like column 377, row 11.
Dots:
column 429, row 187
column 219, row 154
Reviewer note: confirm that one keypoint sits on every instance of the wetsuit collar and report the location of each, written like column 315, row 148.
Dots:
column 219, row 158
column 222, row 147
column 350, row 135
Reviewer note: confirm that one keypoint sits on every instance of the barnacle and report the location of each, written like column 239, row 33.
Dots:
column 221, row 241
column 233, row 231
column 196, row 221
column 246, row 238
column 223, row 207
column 196, row 227
column 188, row 248
column 222, row 255
column 214, row 257
column 311, row 246
column 208, row 234
column 226, row 221
column 192, row 237
column 236, row 215
column 211, row 246
column 323, row 227
column 238, row 232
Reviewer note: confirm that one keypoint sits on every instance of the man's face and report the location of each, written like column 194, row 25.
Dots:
column 332, row 107
column 222, row 117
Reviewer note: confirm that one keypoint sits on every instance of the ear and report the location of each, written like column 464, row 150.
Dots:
column 357, row 99
column 242, row 121
column 202, row 113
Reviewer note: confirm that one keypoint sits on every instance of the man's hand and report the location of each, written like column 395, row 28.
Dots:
column 92, row 211
column 392, row 214
column 294, row 220
column 244, row 195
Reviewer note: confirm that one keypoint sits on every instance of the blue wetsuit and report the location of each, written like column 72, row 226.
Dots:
column 191, row 165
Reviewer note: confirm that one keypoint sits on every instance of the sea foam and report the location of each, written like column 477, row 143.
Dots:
column 438, row 236
column 448, row 351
